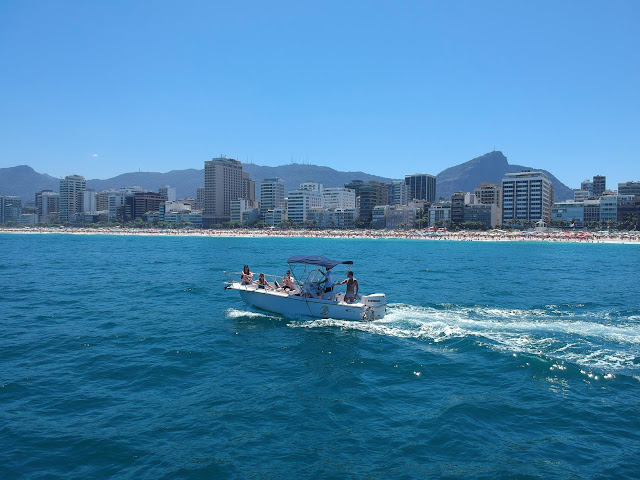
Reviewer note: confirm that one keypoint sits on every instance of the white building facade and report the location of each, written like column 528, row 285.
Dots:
column 271, row 195
column 300, row 201
column 527, row 198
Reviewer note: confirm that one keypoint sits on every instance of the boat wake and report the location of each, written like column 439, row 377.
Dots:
column 233, row 313
column 604, row 341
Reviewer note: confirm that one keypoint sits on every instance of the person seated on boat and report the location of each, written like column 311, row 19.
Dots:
column 262, row 282
column 328, row 282
column 352, row 287
column 287, row 282
column 247, row 276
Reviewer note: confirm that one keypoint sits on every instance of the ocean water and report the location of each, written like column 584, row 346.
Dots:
column 122, row 356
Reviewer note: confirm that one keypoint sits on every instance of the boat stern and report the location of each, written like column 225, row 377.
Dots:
column 375, row 306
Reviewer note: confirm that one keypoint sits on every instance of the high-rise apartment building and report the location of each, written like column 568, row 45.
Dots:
column 608, row 209
column 491, row 194
column 587, row 186
column 421, row 186
column 271, row 195
column 302, row 200
column 89, row 201
column 169, row 192
column 591, row 212
column 338, row 197
column 102, row 200
column 222, row 183
column 629, row 188
column 248, row 187
column 626, row 210
column 115, row 207
column 47, row 204
column 200, row 198
column 355, row 186
column 72, row 189
column 458, row 202
column 398, row 192
column 527, row 198
column 371, row 195
column 140, row 203
column 581, row 195
column 10, row 208
column 599, row 185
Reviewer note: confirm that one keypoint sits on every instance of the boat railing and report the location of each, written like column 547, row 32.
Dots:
column 274, row 281
column 311, row 287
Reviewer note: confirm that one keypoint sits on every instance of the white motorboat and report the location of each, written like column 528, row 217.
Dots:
column 308, row 298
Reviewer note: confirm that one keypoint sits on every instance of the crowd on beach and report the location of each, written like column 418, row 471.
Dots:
column 489, row 235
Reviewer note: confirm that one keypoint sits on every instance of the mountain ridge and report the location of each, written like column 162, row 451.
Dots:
column 24, row 181
column 490, row 167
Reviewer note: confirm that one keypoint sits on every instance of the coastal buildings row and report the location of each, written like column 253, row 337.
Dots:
column 229, row 197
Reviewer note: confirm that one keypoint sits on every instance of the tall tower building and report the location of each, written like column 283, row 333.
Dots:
column 599, row 185
column 248, row 187
column 421, row 186
column 527, row 197
column 222, row 184
column 398, row 192
column 372, row 194
column 72, row 189
column 89, row 201
column 271, row 194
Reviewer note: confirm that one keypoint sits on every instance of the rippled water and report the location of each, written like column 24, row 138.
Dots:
column 123, row 356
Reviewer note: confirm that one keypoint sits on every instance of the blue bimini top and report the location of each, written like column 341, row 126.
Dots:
column 317, row 260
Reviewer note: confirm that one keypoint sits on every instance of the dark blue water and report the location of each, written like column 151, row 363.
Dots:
column 123, row 356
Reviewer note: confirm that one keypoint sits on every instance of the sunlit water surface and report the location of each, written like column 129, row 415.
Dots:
column 123, row 356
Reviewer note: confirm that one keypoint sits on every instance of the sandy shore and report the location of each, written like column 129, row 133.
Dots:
column 488, row 236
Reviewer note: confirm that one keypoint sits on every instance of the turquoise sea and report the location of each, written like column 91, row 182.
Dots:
column 123, row 357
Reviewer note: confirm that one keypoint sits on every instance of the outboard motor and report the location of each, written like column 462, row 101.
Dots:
column 375, row 306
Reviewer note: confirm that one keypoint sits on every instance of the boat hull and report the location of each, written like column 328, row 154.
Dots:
column 286, row 304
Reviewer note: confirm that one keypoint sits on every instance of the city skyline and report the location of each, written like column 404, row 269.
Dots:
column 104, row 89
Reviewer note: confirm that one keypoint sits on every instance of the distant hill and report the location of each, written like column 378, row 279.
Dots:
column 24, row 181
column 296, row 173
column 186, row 182
column 490, row 167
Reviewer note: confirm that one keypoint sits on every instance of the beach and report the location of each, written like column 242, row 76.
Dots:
column 613, row 237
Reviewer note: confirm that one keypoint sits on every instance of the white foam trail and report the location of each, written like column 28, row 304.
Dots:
column 233, row 313
column 583, row 338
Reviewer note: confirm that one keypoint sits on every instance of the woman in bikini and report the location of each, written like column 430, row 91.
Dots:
column 262, row 282
column 247, row 276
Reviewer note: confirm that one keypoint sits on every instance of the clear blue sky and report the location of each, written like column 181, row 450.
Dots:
column 100, row 88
